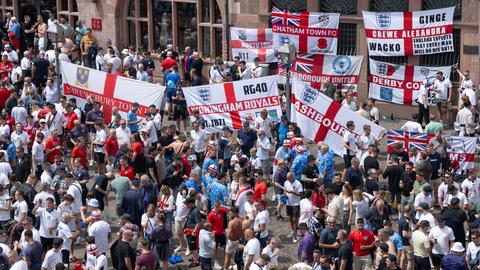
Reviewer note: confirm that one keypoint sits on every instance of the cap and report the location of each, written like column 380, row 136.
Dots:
column 135, row 104
column 212, row 168
column 191, row 158
column 43, row 121
column 424, row 205
column 93, row 203
column 303, row 225
column 287, row 142
column 92, row 248
column 189, row 200
column 427, row 189
column 125, row 51
column 457, row 247
column 225, row 128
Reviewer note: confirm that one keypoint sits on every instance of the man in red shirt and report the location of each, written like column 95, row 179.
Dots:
column 53, row 146
column 260, row 189
column 217, row 218
column 363, row 241
column 80, row 151
column 111, row 146
column 126, row 169
column 169, row 62
column 5, row 67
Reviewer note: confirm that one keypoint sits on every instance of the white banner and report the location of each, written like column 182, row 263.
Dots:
column 462, row 150
column 400, row 84
column 307, row 31
column 248, row 43
column 409, row 33
column 231, row 103
column 317, row 69
column 322, row 119
column 109, row 90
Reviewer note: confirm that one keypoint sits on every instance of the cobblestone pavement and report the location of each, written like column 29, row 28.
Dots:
column 277, row 228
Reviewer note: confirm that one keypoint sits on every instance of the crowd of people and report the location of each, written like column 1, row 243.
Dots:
column 216, row 201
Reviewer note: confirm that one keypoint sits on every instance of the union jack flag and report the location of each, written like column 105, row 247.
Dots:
column 284, row 17
column 303, row 67
column 406, row 140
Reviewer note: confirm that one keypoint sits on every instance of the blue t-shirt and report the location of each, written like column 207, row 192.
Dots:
column 171, row 80
column 248, row 139
column 132, row 117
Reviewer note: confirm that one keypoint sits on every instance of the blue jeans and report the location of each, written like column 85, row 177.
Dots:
column 205, row 263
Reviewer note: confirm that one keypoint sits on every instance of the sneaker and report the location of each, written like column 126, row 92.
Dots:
column 295, row 240
column 217, row 266
column 188, row 252
column 291, row 235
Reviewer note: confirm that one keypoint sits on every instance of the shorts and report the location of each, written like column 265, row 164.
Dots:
column 266, row 166
column 179, row 225
column 180, row 112
column 436, row 259
column 192, row 242
column 408, row 252
column 441, row 103
column 205, row 263
column 164, row 251
column 170, row 95
column 220, row 240
column 293, row 211
column 65, row 256
column 100, row 157
column 231, row 247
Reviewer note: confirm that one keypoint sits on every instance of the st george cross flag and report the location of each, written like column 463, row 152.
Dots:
column 316, row 69
column 323, row 119
column 406, row 140
column 462, row 150
column 307, row 31
column 231, row 103
column 401, row 83
column 249, row 43
column 109, row 90
column 409, row 33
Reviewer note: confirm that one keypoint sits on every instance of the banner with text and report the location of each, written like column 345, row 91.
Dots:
column 248, row 43
column 316, row 69
column 231, row 103
column 109, row 90
column 400, row 84
column 323, row 119
column 307, row 31
column 409, row 33
column 462, row 150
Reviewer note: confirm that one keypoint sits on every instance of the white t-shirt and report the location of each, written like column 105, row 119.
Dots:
column 470, row 189
column 5, row 168
column 442, row 87
column 364, row 141
column 100, row 137
column 459, row 195
column 63, row 231
column 420, row 198
column 198, row 140
column 152, row 131
column 251, row 248
column 51, row 259
column 48, row 220
column 67, row 208
column 20, row 265
column 123, row 136
column 38, row 150
column 412, row 126
column 306, row 210
column 472, row 250
column 101, row 262
column 55, row 121
column 443, row 190
column 296, row 187
column 444, row 236
column 149, row 223
column 100, row 62
column 19, row 138
column 19, row 208
column 4, row 179
column 428, row 217
column 241, row 200
column 182, row 209
column 4, row 202
column 46, row 178
column 100, row 230
column 75, row 190
column 20, row 114
column 249, row 211
column 262, row 218
column 470, row 93
column 265, row 125
column 116, row 63
column 269, row 251
column 422, row 93
column 349, row 138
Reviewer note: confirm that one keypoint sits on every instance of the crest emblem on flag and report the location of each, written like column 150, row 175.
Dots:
column 386, row 93
column 82, row 77
column 204, row 94
column 284, row 39
column 383, row 20
column 341, row 64
column 309, row 94
column 425, row 71
column 323, row 19
column 242, row 35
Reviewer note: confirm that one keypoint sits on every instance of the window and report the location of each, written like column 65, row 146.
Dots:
column 445, row 59
column 6, row 6
column 162, row 24
column 344, row 7
column 434, row 4
column 388, row 5
column 207, row 50
column 347, row 39
column 137, row 21
column 69, row 10
column 187, row 25
column 212, row 38
column 291, row 5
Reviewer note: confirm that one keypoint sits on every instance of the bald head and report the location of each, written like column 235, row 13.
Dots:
column 249, row 234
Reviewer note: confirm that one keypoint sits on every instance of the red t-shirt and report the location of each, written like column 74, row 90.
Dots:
column 188, row 168
column 111, row 146
column 137, row 147
column 50, row 144
column 72, row 117
column 7, row 66
column 128, row 172
column 358, row 239
column 4, row 95
column 217, row 221
column 80, row 152
column 318, row 199
column 260, row 188
column 168, row 63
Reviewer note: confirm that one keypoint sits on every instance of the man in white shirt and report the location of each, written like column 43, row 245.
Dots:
column 123, row 134
column 293, row 189
column 19, row 113
column 115, row 60
column 245, row 71
column 100, row 230
column 465, row 84
column 151, row 128
column 49, row 219
column 55, row 120
column 473, row 248
column 350, row 147
column 20, row 138
column 199, row 141
column 413, row 126
column 257, row 70
column 53, row 256
column 466, row 120
column 264, row 147
column 5, row 205
column 26, row 64
column 251, row 250
column 262, row 222
column 442, row 238
column 365, row 140
column 470, row 186
column 423, row 197
column 64, row 232
column 100, row 60
column 443, row 88
column 75, row 190
column 264, row 122
column 217, row 72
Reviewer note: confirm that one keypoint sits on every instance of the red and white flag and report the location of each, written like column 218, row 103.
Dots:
column 322, row 119
column 307, row 31
column 109, row 90
column 409, row 33
column 248, row 43
column 231, row 103
column 317, row 69
column 400, row 84
column 462, row 151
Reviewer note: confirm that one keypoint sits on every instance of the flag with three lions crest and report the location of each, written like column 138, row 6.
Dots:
column 322, row 119
column 232, row 104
